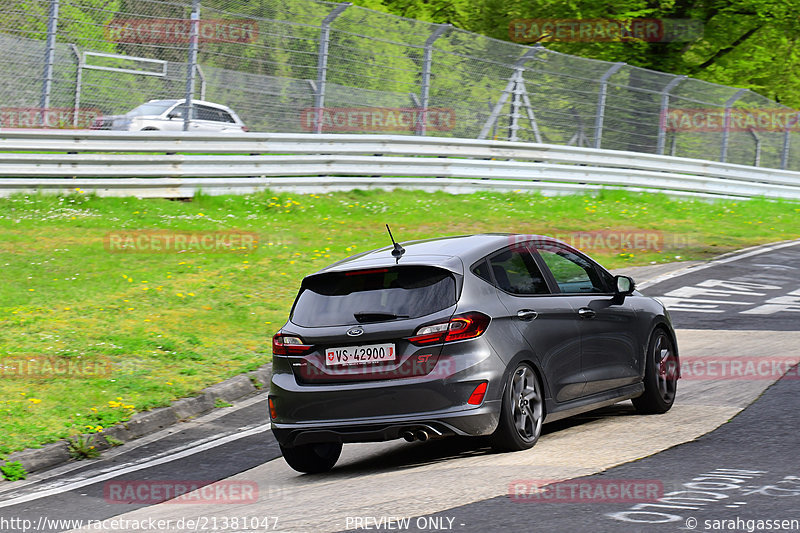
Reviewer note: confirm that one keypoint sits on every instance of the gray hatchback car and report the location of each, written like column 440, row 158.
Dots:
column 491, row 334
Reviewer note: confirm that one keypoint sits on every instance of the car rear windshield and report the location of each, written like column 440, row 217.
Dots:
column 376, row 295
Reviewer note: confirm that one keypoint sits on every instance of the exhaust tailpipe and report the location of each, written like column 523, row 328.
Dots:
column 421, row 435
column 408, row 436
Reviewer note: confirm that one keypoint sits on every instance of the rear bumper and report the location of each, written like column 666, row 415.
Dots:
column 371, row 411
column 475, row 421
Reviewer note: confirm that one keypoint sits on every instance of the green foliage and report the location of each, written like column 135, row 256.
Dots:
column 113, row 442
column 172, row 323
column 746, row 43
column 13, row 471
column 82, row 447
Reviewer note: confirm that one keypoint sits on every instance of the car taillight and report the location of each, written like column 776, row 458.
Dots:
column 289, row 345
column 476, row 398
column 460, row 327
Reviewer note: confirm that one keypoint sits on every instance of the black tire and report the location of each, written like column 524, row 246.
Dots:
column 522, row 412
column 660, row 375
column 149, row 128
column 313, row 458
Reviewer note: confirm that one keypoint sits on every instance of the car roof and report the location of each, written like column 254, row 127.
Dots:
column 194, row 101
column 454, row 253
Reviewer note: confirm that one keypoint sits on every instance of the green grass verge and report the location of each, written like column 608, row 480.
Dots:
column 173, row 323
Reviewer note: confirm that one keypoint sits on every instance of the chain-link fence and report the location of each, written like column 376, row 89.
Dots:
column 306, row 65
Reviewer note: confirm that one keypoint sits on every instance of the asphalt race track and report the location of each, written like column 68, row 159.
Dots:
column 758, row 291
column 731, row 478
column 687, row 470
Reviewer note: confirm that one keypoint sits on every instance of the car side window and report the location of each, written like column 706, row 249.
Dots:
column 226, row 117
column 208, row 113
column 515, row 271
column 572, row 273
column 482, row 271
column 179, row 110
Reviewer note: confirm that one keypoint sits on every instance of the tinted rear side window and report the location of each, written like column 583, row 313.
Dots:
column 516, row 272
column 208, row 113
column 482, row 271
column 344, row 298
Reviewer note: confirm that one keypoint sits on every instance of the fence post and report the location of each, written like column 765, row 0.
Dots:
column 202, row 77
column 516, row 103
column 662, row 122
column 190, row 67
column 422, row 117
column 49, row 55
column 757, row 139
column 519, row 67
column 786, row 134
column 322, row 63
column 78, row 84
column 726, row 127
column 601, row 103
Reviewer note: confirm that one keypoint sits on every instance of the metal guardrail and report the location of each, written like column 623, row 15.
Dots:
column 178, row 164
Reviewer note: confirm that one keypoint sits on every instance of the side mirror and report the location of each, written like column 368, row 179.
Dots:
column 172, row 115
column 623, row 285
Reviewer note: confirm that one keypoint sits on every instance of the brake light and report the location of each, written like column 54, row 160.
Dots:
column 458, row 328
column 373, row 271
column 477, row 395
column 289, row 345
column 272, row 411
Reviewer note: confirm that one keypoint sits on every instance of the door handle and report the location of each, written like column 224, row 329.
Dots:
column 585, row 312
column 527, row 314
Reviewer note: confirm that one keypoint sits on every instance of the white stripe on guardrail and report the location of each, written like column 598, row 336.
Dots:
column 178, row 164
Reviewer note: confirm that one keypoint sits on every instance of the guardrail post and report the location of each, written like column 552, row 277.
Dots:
column 601, row 103
column 726, row 127
column 519, row 68
column 322, row 63
column 662, row 123
column 49, row 54
column 786, row 135
column 190, row 68
column 425, row 89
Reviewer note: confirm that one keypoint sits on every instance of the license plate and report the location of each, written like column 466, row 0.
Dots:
column 360, row 355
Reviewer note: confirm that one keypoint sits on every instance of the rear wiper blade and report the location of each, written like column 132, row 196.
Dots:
column 376, row 316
